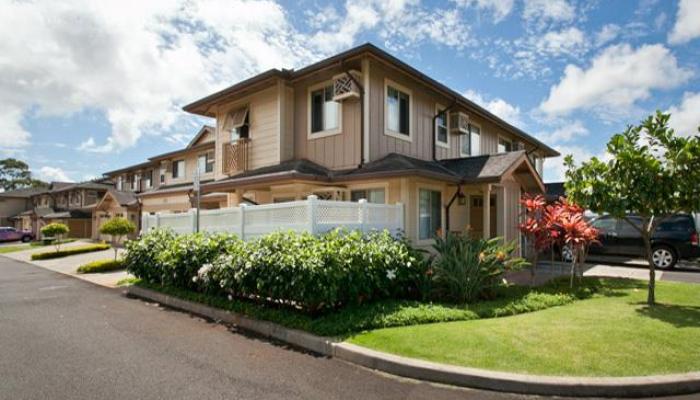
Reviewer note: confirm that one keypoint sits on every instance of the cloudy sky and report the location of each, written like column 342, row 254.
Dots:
column 88, row 86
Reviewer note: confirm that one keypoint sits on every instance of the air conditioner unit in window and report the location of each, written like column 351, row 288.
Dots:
column 459, row 123
column 344, row 87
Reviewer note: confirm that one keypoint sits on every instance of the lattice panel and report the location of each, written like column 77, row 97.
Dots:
column 223, row 220
column 344, row 87
column 329, row 212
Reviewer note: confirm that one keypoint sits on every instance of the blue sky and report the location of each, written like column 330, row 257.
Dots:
column 87, row 87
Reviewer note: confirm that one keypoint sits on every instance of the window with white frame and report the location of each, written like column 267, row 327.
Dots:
column 238, row 124
column 376, row 196
column 162, row 174
column 429, row 213
column 120, row 182
column 135, row 182
column 205, row 162
column 148, row 179
column 178, row 169
column 441, row 132
column 324, row 113
column 504, row 145
column 398, row 110
column 470, row 142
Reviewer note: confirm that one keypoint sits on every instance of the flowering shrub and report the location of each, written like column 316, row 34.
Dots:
column 298, row 269
column 466, row 269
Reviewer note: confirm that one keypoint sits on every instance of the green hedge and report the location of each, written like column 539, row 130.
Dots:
column 69, row 252
column 309, row 272
column 101, row 266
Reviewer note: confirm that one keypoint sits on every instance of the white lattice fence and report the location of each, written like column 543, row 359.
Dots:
column 312, row 215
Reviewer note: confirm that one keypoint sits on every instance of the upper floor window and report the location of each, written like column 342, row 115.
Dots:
column 398, row 111
column 238, row 124
column 504, row 145
column 162, row 174
column 148, row 178
column 135, row 182
column 178, row 169
column 324, row 113
column 205, row 162
column 120, row 182
column 470, row 142
column 441, row 132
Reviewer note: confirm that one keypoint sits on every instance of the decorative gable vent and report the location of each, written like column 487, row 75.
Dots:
column 344, row 87
column 459, row 123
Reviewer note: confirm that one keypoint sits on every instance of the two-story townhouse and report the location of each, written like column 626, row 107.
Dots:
column 13, row 203
column 363, row 124
column 163, row 183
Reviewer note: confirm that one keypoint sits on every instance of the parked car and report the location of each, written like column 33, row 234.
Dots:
column 10, row 234
column 674, row 239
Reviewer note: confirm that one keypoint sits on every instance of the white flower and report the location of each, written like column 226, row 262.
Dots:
column 230, row 298
column 391, row 274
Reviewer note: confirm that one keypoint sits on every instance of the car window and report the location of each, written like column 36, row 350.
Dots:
column 676, row 224
column 626, row 229
column 604, row 224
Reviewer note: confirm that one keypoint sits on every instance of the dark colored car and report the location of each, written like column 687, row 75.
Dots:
column 10, row 234
column 674, row 239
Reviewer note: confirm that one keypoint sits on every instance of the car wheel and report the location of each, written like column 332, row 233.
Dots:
column 663, row 257
column 26, row 239
column 566, row 254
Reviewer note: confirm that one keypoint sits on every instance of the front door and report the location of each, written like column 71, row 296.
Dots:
column 476, row 215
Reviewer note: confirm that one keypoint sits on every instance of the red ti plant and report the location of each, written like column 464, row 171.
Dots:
column 535, row 227
column 573, row 231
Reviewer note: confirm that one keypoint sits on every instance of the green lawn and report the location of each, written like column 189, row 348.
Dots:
column 612, row 333
column 12, row 249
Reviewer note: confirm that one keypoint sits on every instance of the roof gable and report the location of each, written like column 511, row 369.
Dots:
column 205, row 135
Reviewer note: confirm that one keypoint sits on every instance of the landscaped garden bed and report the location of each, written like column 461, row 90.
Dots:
column 70, row 251
column 101, row 266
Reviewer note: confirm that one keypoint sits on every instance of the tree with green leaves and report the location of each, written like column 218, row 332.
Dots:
column 57, row 231
column 652, row 173
column 117, row 228
column 15, row 174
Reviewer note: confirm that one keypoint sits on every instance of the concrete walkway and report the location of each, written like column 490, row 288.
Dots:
column 69, row 265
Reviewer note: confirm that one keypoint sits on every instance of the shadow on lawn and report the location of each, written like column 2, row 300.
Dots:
column 677, row 315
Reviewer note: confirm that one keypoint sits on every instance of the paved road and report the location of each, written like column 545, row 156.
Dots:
column 62, row 338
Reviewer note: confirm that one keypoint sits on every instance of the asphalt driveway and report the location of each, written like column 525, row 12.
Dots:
column 63, row 338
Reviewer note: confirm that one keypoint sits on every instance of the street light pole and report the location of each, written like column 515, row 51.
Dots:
column 197, row 192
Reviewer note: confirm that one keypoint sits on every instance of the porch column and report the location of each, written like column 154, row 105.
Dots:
column 487, row 212
column 501, row 211
column 233, row 199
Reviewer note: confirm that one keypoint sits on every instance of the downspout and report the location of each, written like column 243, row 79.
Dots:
column 435, row 117
column 362, row 115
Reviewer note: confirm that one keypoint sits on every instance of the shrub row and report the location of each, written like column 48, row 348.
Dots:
column 101, row 266
column 313, row 273
column 69, row 252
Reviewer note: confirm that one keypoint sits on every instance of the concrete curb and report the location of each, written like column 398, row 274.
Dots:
column 647, row 386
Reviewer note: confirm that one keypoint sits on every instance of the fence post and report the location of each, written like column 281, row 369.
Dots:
column 402, row 217
column 144, row 223
column 363, row 215
column 193, row 219
column 242, row 207
column 157, row 220
column 312, row 204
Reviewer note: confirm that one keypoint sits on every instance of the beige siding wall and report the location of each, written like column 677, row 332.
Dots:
column 339, row 151
column 190, row 168
column 175, row 202
column 264, row 118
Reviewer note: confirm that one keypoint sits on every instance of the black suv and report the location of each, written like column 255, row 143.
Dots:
column 674, row 239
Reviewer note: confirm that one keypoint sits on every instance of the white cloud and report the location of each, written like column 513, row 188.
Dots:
column 499, row 8
column 565, row 132
column 49, row 174
column 685, row 118
column 617, row 78
column 548, row 10
column 497, row 106
column 554, row 169
column 179, row 139
column 569, row 41
column 607, row 34
column 687, row 25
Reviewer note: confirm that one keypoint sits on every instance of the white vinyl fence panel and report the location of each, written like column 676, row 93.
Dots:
column 311, row 215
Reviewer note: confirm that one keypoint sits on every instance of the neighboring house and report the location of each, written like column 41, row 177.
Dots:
column 15, row 202
column 68, row 203
column 363, row 124
column 554, row 190
column 116, row 203
column 165, row 181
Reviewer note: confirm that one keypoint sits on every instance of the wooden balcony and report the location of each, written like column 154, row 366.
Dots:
column 235, row 156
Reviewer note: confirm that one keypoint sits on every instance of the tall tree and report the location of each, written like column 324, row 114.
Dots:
column 15, row 174
column 652, row 173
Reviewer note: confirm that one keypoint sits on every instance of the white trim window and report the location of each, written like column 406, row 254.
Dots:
column 148, row 179
column 237, row 123
column 324, row 113
column 120, row 182
column 205, row 162
column 470, row 142
column 397, row 110
column 442, row 136
column 504, row 145
column 179, row 169
column 429, row 213
column 376, row 196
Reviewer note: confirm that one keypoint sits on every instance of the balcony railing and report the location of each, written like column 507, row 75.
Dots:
column 235, row 156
